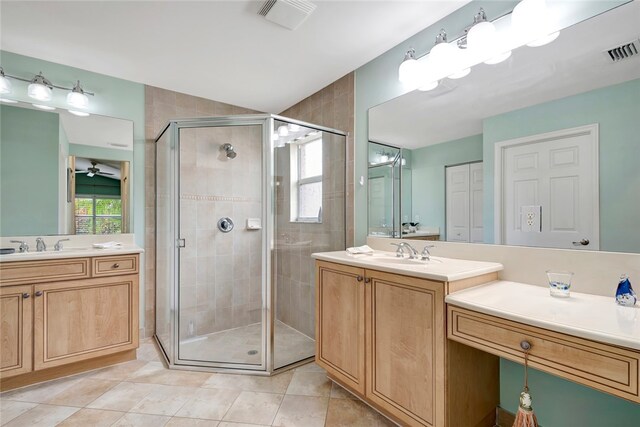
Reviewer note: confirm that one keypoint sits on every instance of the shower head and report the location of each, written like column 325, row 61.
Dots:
column 230, row 152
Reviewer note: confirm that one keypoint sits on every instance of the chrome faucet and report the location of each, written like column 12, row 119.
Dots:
column 23, row 245
column 40, row 245
column 425, row 255
column 58, row 245
column 413, row 253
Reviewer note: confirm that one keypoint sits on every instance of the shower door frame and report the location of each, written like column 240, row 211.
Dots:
column 267, row 121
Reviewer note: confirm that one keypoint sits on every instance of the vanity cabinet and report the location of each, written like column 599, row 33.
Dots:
column 16, row 317
column 383, row 337
column 55, row 324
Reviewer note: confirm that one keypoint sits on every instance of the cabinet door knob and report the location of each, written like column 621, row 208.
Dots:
column 39, row 293
column 367, row 279
column 359, row 278
column 525, row 345
column 116, row 265
column 25, row 295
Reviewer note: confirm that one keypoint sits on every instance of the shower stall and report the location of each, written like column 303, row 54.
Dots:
column 241, row 204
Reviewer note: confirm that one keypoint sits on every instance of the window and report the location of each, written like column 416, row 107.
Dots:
column 98, row 215
column 306, row 180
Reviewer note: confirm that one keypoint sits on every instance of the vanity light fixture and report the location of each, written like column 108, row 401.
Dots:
column 283, row 130
column 41, row 89
column 409, row 71
column 5, row 83
column 447, row 58
column 484, row 42
column 530, row 20
column 76, row 98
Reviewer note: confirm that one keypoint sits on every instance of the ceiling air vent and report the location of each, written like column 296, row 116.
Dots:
column 287, row 13
column 624, row 51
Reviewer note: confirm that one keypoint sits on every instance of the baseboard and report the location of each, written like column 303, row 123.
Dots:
column 504, row 418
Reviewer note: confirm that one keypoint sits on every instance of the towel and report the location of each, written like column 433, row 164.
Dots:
column 107, row 245
column 360, row 250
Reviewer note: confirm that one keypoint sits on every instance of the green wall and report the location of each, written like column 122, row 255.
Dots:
column 616, row 109
column 377, row 82
column 428, row 176
column 561, row 403
column 114, row 98
column 28, row 171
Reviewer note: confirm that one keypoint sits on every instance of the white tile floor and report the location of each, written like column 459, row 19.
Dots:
column 143, row 393
column 235, row 345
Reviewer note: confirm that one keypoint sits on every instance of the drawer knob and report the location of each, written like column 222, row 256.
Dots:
column 367, row 279
column 359, row 278
column 525, row 345
column 39, row 293
column 25, row 295
column 116, row 265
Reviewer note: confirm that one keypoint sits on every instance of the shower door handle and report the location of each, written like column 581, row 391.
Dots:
column 182, row 243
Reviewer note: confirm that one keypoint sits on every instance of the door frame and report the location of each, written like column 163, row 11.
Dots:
column 500, row 148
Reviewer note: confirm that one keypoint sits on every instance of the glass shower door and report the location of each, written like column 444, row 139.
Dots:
column 221, row 280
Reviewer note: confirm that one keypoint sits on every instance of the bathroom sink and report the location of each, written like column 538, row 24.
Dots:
column 400, row 261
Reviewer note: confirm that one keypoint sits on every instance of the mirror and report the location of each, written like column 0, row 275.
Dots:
column 540, row 150
column 46, row 162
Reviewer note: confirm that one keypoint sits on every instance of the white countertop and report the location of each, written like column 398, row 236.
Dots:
column 587, row 316
column 440, row 269
column 420, row 234
column 70, row 252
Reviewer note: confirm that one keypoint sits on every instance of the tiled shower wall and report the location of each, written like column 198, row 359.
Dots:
column 160, row 106
column 332, row 107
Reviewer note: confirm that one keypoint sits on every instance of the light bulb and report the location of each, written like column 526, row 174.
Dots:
column 77, row 98
column 447, row 60
column 283, row 130
column 530, row 20
column 40, row 88
column 409, row 70
column 276, row 136
column 39, row 91
column 79, row 113
column 5, row 83
column 484, row 43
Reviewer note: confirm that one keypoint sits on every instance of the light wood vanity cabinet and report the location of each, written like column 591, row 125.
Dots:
column 54, row 325
column 383, row 337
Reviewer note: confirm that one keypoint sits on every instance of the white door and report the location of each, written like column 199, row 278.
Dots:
column 476, row 196
column 550, row 190
column 464, row 203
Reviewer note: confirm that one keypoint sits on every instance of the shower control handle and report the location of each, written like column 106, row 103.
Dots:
column 225, row 224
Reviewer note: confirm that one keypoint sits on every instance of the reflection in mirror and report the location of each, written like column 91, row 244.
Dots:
column 99, row 190
column 540, row 150
column 46, row 162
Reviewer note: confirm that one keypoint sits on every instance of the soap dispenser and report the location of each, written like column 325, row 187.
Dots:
column 625, row 294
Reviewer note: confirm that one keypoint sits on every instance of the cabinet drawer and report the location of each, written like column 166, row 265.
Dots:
column 29, row 272
column 607, row 368
column 115, row 265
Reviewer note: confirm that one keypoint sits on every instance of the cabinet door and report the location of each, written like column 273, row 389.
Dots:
column 16, row 310
column 340, row 323
column 406, row 347
column 80, row 320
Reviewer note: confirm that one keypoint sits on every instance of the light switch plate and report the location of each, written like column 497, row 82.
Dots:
column 530, row 217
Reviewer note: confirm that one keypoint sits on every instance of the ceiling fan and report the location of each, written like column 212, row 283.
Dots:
column 93, row 170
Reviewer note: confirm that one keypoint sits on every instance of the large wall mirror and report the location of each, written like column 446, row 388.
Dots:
column 541, row 150
column 63, row 174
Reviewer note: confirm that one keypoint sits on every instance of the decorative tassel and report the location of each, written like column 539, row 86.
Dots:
column 525, row 417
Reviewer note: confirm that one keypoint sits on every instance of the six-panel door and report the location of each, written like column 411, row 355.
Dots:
column 340, row 323
column 79, row 320
column 16, row 315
